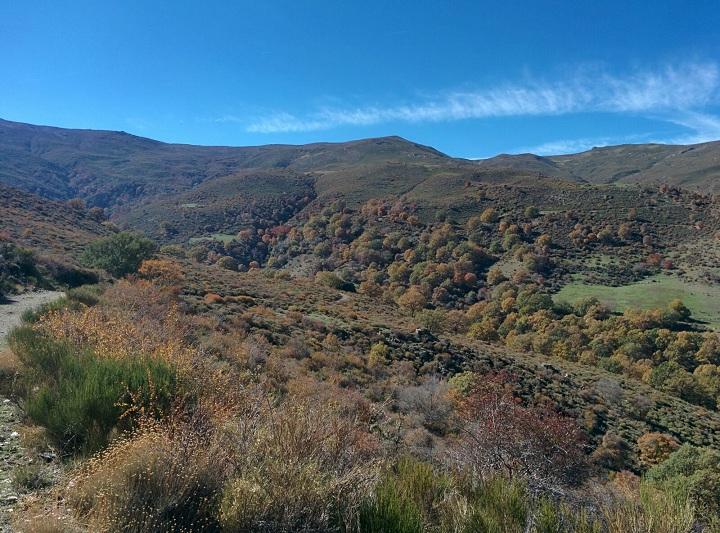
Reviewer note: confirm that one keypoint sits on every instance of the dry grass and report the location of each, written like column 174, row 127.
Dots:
column 653, row 511
column 239, row 463
column 122, row 333
column 10, row 368
column 35, row 438
column 160, row 479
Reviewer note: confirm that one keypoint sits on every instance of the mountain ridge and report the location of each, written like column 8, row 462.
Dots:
column 687, row 165
column 108, row 168
column 121, row 171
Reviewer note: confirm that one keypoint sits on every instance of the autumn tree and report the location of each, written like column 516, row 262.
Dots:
column 78, row 204
column 161, row 271
column 227, row 262
column 625, row 231
column 97, row 214
column 708, row 377
column 413, row 299
column 495, row 276
column 655, row 447
column 613, row 452
column 474, row 223
column 379, row 355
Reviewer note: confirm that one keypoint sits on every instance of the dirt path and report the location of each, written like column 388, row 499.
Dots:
column 11, row 453
column 11, row 310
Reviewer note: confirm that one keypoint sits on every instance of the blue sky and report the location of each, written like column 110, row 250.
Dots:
column 470, row 78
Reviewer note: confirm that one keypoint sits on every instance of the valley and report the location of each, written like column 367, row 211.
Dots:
column 279, row 330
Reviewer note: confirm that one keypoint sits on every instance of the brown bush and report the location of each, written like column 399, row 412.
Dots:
column 160, row 479
column 501, row 436
column 161, row 271
column 213, row 298
column 305, row 465
column 656, row 447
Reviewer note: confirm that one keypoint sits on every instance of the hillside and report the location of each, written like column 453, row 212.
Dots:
column 107, row 168
column 528, row 163
column 225, row 205
column 138, row 178
column 49, row 227
column 301, row 308
column 694, row 166
column 41, row 241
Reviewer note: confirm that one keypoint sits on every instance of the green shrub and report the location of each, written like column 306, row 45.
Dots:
column 672, row 378
column 33, row 315
column 120, row 254
column 404, row 500
column 379, row 354
column 323, row 249
column 690, row 472
column 331, row 280
column 228, row 263
column 17, row 266
column 68, row 274
column 657, row 511
column 532, row 212
column 495, row 505
column 413, row 497
column 86, row 294
column 30, row 477
column 5, row 287
column 434, row 320
column 80, row 397
column 551, row 517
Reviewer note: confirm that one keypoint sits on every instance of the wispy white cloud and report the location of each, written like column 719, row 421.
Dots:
column 285, row 122
column 703, row 127
column 672, row 89
column 569, row 146
column 573, row 146
column 227, row 118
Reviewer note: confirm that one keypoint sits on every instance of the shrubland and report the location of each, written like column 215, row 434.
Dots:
column 493, row 277
column 17, row 267
column 26, row 267
column 367, row 367
column 171, row 416
column 23, row 268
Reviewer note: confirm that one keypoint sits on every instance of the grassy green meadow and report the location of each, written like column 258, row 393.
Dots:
column 656, row 291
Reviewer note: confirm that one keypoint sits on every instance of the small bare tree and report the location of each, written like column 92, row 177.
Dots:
column 501, row 436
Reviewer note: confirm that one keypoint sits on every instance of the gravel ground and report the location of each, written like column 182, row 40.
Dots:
column 11, row 456
column 11, row 453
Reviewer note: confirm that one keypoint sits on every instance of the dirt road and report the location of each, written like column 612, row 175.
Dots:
column 11, row 310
